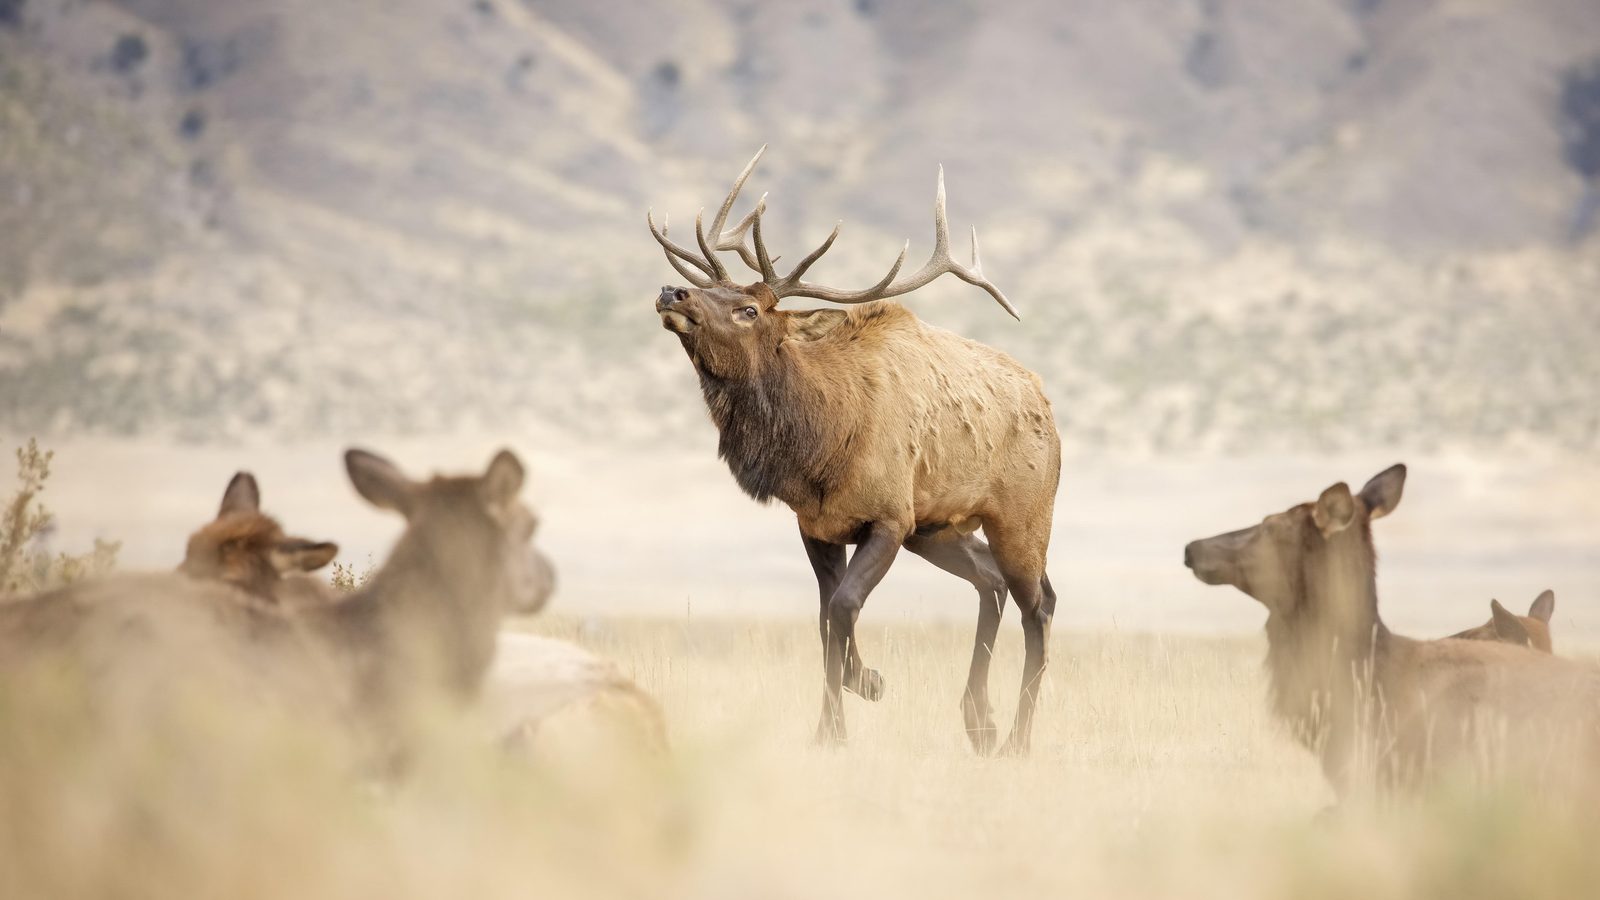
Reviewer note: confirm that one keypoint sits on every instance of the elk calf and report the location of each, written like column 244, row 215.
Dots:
column 1531, row 630
column 1378, row 708
column 246, row 548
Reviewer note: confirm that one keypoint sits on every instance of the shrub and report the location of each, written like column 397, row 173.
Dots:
column 26, row 566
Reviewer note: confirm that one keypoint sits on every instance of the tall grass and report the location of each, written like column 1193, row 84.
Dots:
column 1156, row 773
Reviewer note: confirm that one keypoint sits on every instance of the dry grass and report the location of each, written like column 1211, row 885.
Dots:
column 26, row 564
column 1156, row 772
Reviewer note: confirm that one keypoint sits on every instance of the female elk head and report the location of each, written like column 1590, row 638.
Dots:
column 1273, row 560
column 728, row 329
column 246, row 548
column 1531, row 630
column 477, row 519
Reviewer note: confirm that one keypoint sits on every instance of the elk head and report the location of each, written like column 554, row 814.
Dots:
column 1268, row 561
column 247, row 548
column 728, row 329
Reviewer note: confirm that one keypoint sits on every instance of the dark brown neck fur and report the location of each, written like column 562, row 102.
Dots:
column 781, row 435
column 1323, row 647
column 431, row 612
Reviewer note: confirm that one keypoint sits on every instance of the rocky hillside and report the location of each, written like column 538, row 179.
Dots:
column 1227, row 222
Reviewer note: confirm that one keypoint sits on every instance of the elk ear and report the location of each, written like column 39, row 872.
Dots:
column 1382, row 493
column 811, row 324
column 242, row 495
column 502, row 482
column 1507, row 627
column 378, row 481
column 1544, row 606
column 301, row 555
column 1334, row 510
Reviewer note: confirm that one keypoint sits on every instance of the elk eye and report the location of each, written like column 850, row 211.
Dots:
column 749, row 312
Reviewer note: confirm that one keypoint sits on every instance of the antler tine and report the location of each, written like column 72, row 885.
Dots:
column 768, row 274
column 733, row 238
column 718, row 270
column 676, row 253
column 800, row 268
column 939, row 263
column 733, row 194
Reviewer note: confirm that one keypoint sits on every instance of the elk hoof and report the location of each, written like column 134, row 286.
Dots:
column 980, row 726
column 870, row 685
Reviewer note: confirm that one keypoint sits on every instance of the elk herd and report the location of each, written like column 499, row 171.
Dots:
column 881, row 432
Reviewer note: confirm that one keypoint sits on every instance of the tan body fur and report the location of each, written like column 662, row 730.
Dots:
column 926, row 429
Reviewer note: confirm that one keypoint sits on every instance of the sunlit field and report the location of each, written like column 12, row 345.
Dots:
column 1156, row 771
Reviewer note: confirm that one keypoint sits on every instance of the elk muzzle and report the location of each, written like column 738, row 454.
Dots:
column 1215, row 560
column 670, row 305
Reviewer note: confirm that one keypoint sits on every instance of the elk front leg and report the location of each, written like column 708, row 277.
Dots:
column 828, row 562
column 968, row 558
column 866, row 568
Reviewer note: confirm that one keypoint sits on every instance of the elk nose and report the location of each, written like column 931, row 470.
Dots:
column 671, row 295
column 1188, row 556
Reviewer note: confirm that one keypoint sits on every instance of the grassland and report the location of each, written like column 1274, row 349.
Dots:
column 1156, row 773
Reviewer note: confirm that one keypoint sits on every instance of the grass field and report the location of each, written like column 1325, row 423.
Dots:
column 1156, row 772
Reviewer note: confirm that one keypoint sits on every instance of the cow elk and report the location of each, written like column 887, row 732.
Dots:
column 1382, row 710
column 532, row 679
column 877, row 430
column 1531, row 630
column 424, row 625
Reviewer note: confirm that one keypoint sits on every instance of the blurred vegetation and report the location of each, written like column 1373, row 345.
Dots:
column 26, row 565
column 345, row 578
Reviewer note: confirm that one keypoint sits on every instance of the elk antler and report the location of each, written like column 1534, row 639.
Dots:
column 712, row 271
column 710, row 268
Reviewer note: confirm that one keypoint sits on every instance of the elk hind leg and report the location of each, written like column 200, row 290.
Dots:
column 1021, row 560
column 967, row 557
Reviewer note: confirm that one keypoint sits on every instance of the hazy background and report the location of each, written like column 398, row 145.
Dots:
column 1258, row 247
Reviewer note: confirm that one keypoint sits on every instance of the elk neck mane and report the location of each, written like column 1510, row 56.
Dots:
column 787, row 425
column 1329, row 636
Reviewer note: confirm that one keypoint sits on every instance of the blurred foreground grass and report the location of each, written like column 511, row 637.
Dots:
column 1156, row 772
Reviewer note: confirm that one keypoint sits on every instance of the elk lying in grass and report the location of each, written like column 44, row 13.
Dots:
column 1378, row 708
column 246, row 548
column 425, row 623
column 881, row 431
column 1531, row 630
column 532, row 679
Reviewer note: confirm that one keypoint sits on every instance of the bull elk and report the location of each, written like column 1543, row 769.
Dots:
column 877, row 430
column 1377, row 708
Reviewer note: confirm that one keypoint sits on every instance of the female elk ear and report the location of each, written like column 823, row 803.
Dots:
column 1543, row 607
column 378, row 481
column 1507, row 627
column 503, row 481
column 1334, row 510
column 301, row 555
column 242, row 495
column 1382, row 493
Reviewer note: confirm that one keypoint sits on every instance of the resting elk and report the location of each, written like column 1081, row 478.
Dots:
column 877, row 430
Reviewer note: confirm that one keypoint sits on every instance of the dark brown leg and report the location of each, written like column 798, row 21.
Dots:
column 828, row 562
column 1037, row 601
column 866, row 568
column 968, row 557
